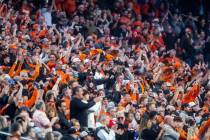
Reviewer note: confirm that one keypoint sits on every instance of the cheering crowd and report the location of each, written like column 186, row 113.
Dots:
column 104, row 70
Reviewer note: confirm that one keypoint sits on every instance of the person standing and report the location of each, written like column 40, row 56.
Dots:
column 78, row 108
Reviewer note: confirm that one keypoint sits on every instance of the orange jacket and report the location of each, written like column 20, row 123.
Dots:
column 12, row 71
column 29, row 103
column 191, row 94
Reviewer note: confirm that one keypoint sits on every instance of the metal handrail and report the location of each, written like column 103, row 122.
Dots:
column 9, row 134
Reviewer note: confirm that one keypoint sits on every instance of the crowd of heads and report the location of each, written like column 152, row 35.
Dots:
column 142, row 65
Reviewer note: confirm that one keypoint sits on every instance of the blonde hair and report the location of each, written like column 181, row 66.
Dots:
column 74, row 121
column 3, row 123
column 50, row 109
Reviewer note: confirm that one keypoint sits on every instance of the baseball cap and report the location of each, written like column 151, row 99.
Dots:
column 83, row 134
column 191, row 104
column 110, row 106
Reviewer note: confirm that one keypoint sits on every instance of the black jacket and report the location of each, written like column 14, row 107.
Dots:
column 63, row 121
column 78, row 110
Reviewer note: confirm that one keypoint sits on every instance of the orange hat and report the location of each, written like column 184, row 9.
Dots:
column 109, row 57
column 82, row 56
column 95, row 52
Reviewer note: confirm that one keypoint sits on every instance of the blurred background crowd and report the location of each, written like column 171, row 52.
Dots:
column 104, row 69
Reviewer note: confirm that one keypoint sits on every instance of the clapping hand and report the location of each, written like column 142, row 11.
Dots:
column 98, row 99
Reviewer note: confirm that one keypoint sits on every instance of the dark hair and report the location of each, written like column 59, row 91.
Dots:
column 75, row 90
column 178, row 119
column 48, row 96
column 152, row 114
column 190, row 122
column 19, row 119
column 59, row 103
column 120, row 126
column 39, row 105
column 15, row 127
column 24, row 108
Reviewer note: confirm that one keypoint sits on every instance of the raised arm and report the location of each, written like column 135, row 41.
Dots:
column 12, row 69
column 57, row 32
column 55, row 88
column 29, row 103
column 82, row 105
column 37, row 70
column 175, row 97
column 19, row 93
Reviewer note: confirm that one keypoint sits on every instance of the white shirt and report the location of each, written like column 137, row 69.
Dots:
column 47, row 16
column 91, row 116
column 99, row 76
column 103, row 135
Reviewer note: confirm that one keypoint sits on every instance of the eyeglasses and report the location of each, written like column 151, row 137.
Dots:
column 120, row 118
